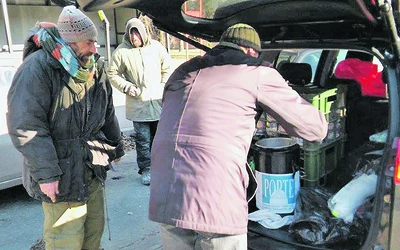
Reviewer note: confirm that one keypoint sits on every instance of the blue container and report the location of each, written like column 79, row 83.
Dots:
column 276, row 164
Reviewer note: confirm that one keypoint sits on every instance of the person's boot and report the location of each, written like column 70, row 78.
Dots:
column 146, row 176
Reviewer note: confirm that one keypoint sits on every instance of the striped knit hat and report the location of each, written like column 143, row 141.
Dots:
column 243, row 35
column 74, row 26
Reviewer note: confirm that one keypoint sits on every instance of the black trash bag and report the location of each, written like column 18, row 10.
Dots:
column 313, row 223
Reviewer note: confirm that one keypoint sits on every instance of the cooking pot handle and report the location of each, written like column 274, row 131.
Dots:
column 295, row 167
column 253, row 185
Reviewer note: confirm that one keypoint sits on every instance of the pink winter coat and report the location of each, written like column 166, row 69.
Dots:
column 199, row 154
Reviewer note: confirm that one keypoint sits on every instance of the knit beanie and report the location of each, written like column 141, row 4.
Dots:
column 74, row 26
column 241, row 35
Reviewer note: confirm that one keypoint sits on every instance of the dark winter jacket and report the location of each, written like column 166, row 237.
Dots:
column 61, row 127
column 199, row 153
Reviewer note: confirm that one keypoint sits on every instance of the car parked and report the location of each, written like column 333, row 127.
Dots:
column 350, row 71
column 11, row 159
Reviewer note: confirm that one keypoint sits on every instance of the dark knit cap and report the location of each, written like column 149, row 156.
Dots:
column 242, row 35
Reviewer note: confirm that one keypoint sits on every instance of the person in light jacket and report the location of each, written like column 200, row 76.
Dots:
column 199, row 157
column 140, row 66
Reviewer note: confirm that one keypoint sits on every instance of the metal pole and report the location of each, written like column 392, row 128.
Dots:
column 7, row 24
column 104, row 19
column 168, row 43
column 387, row 12
column 187, row 50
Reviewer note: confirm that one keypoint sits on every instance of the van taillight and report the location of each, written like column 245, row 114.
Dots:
column 396, row 175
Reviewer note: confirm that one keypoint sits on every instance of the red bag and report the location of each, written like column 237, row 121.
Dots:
column 364, row 73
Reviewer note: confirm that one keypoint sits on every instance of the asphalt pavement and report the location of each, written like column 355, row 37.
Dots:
column 128, row 228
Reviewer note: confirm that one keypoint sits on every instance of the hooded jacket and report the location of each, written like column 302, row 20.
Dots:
column 61, row 127
column 147, row 68
column 199, row 153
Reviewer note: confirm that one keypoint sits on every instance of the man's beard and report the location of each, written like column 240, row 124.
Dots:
column 83, row 59
column 136, row 44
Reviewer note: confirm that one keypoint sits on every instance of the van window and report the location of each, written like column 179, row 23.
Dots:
column 340, row 57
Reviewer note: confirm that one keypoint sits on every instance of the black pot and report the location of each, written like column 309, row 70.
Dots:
column 278, row 155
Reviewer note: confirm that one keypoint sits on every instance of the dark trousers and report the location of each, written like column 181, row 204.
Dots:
column 145, row 132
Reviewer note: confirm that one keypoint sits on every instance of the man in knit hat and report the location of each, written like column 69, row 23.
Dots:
column 199, row 157
column 139, row 68
column 61, row 118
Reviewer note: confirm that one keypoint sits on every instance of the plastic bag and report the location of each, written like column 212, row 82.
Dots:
column 344, row 203
column 379, row 137
column 270, row 219
column 313, row 223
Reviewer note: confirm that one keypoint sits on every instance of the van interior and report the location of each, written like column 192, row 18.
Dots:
column 349, row 88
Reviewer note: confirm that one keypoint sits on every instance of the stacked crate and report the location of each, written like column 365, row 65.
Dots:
column 319, row 158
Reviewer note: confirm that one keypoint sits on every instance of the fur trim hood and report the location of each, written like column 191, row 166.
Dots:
column 136, row 23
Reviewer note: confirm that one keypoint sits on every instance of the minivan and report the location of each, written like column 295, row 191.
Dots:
column 343, row 56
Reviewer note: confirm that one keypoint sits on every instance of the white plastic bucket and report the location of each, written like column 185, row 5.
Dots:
column 277, row 192
column 276, row 161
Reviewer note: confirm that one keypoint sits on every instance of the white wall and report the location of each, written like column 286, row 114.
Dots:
column 23, row 18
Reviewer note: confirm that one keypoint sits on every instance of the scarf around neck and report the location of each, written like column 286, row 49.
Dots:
column 48, row 38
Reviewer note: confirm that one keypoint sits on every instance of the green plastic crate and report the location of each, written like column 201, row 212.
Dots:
column 320, row 162
column 331, row 102
column 324, row 100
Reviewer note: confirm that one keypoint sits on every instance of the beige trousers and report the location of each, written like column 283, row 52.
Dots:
column 75, row 225
column 174, row 238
